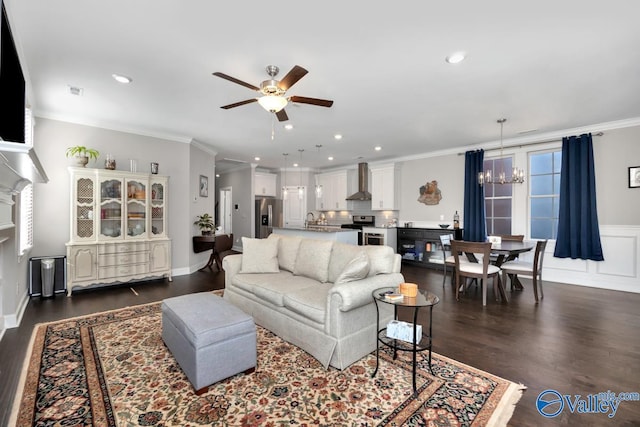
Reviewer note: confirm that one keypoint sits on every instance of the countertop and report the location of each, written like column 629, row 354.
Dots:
column 318, row 229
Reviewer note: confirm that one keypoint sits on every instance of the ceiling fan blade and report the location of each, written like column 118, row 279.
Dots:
column 282, row 116
column 292, row 77
column 234, row 80
column 237, row 104
column 312, row 101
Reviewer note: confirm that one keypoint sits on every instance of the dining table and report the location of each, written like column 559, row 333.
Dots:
column 508, row 250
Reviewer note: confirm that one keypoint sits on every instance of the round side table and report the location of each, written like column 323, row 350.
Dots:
column 419, row 344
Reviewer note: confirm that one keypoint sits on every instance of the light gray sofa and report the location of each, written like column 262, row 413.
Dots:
column 315, row 294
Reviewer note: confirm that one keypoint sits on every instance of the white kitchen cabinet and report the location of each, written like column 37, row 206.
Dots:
column 383, row 188
column 334, row 191
column 118, row 227
column 265, row 184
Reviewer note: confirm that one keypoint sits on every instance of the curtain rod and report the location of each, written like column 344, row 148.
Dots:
column 526, row 144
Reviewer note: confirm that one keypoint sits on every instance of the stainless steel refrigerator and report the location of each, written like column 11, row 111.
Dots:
column 268, row 215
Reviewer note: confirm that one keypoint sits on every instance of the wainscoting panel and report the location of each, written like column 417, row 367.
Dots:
column 619, row 271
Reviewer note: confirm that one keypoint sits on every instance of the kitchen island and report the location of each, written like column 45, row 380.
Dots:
column 338, row 234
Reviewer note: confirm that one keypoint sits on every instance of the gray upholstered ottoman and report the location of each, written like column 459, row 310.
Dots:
column 210, row 338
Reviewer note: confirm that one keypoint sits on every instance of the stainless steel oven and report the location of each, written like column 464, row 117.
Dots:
column 376, row 239
column 360, row 221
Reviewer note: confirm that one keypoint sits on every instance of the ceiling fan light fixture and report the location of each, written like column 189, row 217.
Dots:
column 272, row 103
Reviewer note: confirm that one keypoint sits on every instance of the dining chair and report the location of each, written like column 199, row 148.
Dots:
column 447, row 261
column 528, row 268
column 223, row 245
column 482, row 269
column 512, row 237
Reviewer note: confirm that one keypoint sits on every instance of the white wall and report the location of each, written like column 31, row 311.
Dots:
column 202, row 162
column 51, row 200
column 241, row 183
column 618, row 207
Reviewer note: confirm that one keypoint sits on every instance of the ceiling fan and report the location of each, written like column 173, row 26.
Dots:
column 273, row 92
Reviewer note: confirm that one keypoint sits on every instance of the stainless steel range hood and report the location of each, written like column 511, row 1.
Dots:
column 363, row 184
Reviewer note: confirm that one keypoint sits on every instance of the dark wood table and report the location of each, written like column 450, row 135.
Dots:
column 508, row 251
column 205, row 243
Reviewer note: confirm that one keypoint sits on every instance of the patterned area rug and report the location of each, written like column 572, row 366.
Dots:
column 112, row 369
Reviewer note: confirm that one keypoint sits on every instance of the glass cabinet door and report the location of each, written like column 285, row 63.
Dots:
column 84, row 219
column 136, row 208
column 111, row 208
column 157, row 209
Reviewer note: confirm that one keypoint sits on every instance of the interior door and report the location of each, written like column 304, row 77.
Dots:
column 225, row 210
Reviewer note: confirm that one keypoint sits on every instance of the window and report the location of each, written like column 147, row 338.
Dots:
column 544, row 194
column 26, row 219
column 26, row 196
column 498, row 198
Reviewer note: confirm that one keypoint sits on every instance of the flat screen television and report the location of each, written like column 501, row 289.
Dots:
column 12, row 87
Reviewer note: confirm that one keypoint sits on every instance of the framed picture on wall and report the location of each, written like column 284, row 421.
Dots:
column 634, row 177
column 204, row 186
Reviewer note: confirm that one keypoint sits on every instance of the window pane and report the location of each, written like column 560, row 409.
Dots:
column 488, row 190
column 542, row 229
column 556, row 207
column 503, row 190
column 541, row 163
column 488, row 208
column 541, row 185
column 502, row 208
column 541, row 207
column 557, row 162
column 501, row 226
column 556, row 184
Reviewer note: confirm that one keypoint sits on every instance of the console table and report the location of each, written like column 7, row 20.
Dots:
column 205, row 243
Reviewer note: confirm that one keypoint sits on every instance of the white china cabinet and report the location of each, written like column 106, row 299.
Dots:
column 118, row 227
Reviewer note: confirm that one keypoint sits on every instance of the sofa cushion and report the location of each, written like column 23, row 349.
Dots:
column 274, row 291
column 356, row 269
column 309, row 302
column 259, row 256
column 313, row 259
column 287, row 250
column 341, row 255
column 380, row 259
column 248, row 282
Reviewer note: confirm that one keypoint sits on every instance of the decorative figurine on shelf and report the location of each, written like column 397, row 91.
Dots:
column 110, row 162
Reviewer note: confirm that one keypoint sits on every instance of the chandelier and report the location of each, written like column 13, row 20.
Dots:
column 318, row 186
column 517, row 174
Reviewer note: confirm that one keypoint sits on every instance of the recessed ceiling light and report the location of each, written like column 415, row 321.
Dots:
column 295, row 165
column 121, row 79
column 337, row 136
column 377, row 148
column 288, row 126
column 217, row 175
column 455, row 58
column 330, row 158
column 256, row 158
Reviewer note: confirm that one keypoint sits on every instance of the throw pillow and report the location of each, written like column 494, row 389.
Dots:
column 259, row 256
column 341, row 255
column 380, row 259
column 287, row 251
column 313, row 259
column 356, row 269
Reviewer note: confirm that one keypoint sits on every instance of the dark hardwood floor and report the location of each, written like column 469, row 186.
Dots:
column 578, row 340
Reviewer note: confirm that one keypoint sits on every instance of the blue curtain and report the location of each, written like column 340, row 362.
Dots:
column 475, row 224
column 578, row 231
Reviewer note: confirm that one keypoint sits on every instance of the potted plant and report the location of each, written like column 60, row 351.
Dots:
column 205, row 223
column 82, row 154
